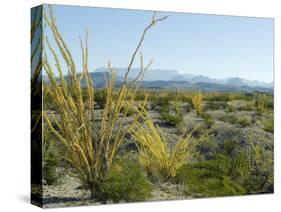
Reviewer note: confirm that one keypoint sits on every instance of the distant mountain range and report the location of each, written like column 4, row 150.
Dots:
column 172, row 79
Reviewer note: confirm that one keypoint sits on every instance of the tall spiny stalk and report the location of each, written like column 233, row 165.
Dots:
column 157, row 156
column 90, row 147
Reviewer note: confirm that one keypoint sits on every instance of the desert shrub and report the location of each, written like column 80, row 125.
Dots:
column 50, row 165
column 90, row 147
column 51, row 159
column 268, row 125
column 263, row 102
column 218, row 97
column 100, row 97
column 172, row 113
column 197, row 102
column 207, row 148
column 159, row 102
column 231, row 170
column 244, row 122
column 125, row 182
column 260, row 165
column 140, row 96
column 222, row 176
column 160, row 159
column 209, row 121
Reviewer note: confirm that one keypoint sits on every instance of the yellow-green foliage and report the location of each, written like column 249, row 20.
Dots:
column 197, row 102
column 89, row 147
column 156, row 155
column 126, row 181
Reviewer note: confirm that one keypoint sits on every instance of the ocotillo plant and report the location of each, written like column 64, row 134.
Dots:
column 197, row 102
column 90, row 147
column 157, row 156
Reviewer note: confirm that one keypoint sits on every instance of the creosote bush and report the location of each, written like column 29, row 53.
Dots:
column 221, row 176
column 125, row 182
column 90, row 148
column 231, row 170
column 157, row 103
column 172, row 113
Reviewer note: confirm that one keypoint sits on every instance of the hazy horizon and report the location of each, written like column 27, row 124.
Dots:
column 210, row 45
column 194, row 74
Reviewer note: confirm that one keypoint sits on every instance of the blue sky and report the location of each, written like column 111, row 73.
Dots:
column 211, row 45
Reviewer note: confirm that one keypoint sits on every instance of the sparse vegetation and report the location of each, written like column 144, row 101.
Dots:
column 123, row 143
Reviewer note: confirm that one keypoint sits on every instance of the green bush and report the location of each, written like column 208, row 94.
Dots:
column 100, row 98
column 125, row 182
column 218, row 97
column 51, row 159
column 260, row 161
column 50, row 165
column 159, row 102
column 207, row 148
column 222, row 176
column 171, row 113
column 229, row 170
